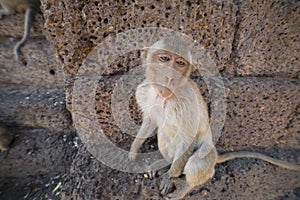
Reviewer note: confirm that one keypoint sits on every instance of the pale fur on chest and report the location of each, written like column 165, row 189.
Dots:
column 179, row 121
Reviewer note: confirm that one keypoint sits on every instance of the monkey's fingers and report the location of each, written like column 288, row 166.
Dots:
column 132, row 156
column 152, row 173
column 155, row 166
column 166, row 188
column 179, row 193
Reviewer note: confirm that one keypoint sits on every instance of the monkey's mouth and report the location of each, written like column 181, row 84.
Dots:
column 165, row 92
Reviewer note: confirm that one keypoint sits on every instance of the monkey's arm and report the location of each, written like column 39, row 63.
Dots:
column 246, row 154
column 30, row 12
column 147, row 128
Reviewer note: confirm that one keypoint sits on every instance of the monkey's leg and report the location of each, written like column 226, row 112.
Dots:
column 145, row 131
column 175, row 170
column 198, row 169
column 182, row 188
column 27, row 24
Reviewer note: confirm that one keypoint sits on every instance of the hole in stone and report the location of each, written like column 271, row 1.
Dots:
column 24, row 62
column 52, row 72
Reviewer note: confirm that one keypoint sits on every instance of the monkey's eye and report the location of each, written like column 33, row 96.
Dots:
column 181, row 62
column 164, row 58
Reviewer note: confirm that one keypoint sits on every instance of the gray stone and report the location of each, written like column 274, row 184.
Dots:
column 34, row 108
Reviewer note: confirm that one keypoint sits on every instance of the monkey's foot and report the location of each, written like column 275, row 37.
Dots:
column 166, row 184
column 180, row 192
column 157, row 165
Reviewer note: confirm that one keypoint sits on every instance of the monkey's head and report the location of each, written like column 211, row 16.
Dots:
column 168, row 64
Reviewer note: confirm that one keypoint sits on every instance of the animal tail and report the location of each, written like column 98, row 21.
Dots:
column 246, row 154
column 28, row 18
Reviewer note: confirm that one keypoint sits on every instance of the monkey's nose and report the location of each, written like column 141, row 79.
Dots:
column 169, row 81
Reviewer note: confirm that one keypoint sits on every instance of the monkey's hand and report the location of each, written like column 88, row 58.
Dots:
column 132, row 155
column 157, row 165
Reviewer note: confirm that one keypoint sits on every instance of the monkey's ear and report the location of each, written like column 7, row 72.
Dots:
column 144, row 53
column 193, row 68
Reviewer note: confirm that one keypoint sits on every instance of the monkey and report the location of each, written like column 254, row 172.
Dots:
column 30, row 7
column 6, row 138
column 172, row 104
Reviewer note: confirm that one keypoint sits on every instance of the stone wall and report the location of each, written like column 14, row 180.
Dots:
column 255, row 47
column 253, row 43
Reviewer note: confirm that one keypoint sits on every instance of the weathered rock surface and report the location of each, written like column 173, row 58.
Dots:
column 254, row 45
column 32, row 105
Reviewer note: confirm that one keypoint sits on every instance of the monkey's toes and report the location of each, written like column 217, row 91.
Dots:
column 180, row 192
column 174, row 195
column 166, row 186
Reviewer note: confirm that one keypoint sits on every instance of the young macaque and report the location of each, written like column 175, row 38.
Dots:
column 6, row 138
column 171, row 103
column 31, row 7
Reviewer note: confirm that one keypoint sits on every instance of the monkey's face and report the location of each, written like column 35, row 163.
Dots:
column 168, row 71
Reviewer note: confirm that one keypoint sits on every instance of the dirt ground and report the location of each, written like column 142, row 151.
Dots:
column 81, row 176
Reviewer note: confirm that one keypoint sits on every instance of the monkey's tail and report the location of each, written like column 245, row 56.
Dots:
column 30, row 12
column 247, row 154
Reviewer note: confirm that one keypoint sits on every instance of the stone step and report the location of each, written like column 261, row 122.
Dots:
column 38, row 69
column 38, row 152
column 38, row 108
